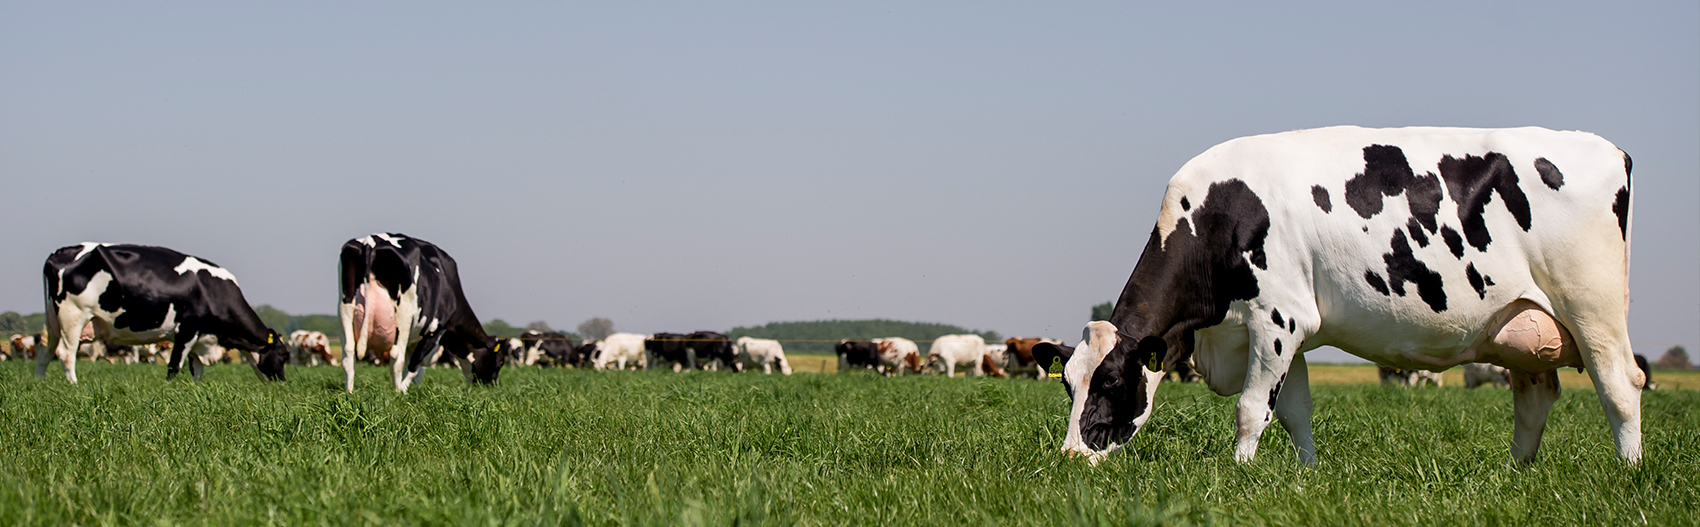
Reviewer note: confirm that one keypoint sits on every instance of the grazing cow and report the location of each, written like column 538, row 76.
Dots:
column 763, row 352
column 399, row 291
column 712, row 349
column 857, row 354
column 586, row 353
column 621, row 349
column 135, row 294
column 23, row 347
column 1018, row 356
column 549, row 348
column 950, row 351
column 1477, row 374
column 1414, row 248
column 666, row 348
column 1398, row 377
column 898, row 355
column 309, row 348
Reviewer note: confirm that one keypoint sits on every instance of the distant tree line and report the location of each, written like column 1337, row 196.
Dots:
column 819, row 336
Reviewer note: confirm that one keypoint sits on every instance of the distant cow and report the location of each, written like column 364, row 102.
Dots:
column 550, row 348
column 766, row 353
column 950, row 351
column 23, row 347
column 621, row 350
column 857, row 354
column 898, row 355
column 665, row 348
column 135, row 294
column 1477, row 374
column 309, row 348
column 1399, row 377
column 709, row 347
column 1018, row 356
column 399, row 292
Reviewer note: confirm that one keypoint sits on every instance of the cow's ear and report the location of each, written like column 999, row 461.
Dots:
column 1149, row 353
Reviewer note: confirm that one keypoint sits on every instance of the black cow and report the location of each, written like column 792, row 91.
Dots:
column 690, row 351
column 551, row 348
column 135, row 294
column 857, row 353
column 398, row 290
column 708, row 346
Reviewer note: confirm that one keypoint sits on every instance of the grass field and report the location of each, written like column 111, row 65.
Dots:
column 658, row 448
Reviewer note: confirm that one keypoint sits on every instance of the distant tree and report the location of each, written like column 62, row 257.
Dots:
column 1103, row 311
column 1676, row 358
column 501, row 329
column 538, row 325
column 11, row 322
column 330, row 325
column 273, row 318
column 596, row 329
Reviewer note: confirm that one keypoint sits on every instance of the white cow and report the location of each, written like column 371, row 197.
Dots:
column 898, row 355
column 621, row 349
column 309, row 348
column 1415, row 248
column 1477, row 374
column 950, row 351
column 764, row 352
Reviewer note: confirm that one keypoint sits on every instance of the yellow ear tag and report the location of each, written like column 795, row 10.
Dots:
column 270, row 338
column 498, row 348
column 1155, row 364
column 1056, row 369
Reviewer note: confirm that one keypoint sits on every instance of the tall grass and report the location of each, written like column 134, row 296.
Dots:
column 659, row 448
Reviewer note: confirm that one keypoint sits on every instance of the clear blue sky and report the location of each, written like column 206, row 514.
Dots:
column 679, row 167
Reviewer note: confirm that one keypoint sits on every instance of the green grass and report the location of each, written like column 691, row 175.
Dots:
column 658, row 448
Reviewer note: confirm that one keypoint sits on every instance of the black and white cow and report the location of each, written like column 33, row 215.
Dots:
column 136, row 294
column 1415, row 248
column 405, row 291
column 695, row 350
column 857, row 354
column 551, row 348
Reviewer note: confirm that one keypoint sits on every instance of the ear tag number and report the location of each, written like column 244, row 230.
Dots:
column 1056, row 369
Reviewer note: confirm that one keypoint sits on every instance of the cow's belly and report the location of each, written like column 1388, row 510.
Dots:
column 1517, row 334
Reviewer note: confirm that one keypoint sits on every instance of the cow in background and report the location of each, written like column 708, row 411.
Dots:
column 621, row 350
column 766, row 353
column 550, row 348
column 950, row 351
column 402, row 292
column 898, row 355
column 309, row 348
column 1478, row 374
column 136, row 294
column 857, row 354
column 1401, row 377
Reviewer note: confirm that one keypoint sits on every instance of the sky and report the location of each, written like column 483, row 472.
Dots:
column 676, row 167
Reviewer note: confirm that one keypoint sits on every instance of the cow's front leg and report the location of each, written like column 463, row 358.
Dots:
column 400, row 356
column 180, row 347
column 1292, row 408
column 1266, row 371
column 409, row 365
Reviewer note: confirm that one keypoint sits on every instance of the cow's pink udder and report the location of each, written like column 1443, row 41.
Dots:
column 381, row 339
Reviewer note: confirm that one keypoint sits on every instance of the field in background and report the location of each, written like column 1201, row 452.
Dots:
column 1346, row 374
column 656, row 448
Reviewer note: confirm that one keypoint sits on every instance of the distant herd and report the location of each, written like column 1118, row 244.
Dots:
column 1420, row 249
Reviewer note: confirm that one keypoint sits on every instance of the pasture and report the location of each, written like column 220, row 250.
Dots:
column 714, row 448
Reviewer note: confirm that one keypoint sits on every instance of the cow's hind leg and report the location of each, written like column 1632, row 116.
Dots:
column 1532, row 395
column 1293, row 407
column 1611, row 365
column 71, row 323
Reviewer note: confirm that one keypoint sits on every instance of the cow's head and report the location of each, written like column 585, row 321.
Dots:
column 1111, row 381
column 487, row 361
column 271, row 357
